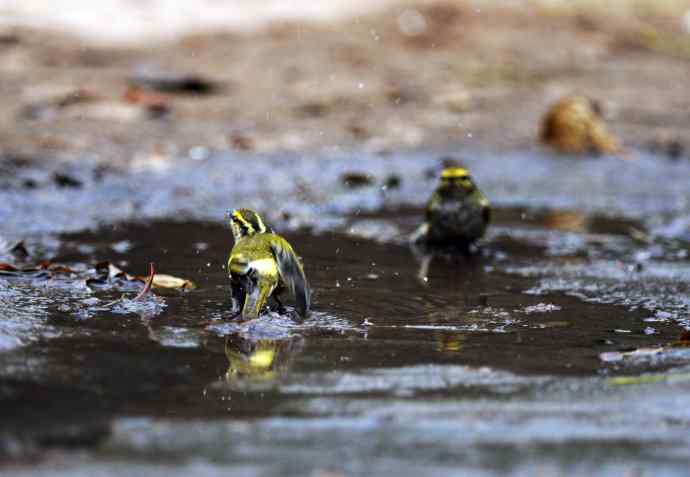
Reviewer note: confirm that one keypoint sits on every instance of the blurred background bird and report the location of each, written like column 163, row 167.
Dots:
column 261, row 265
column 457, row 213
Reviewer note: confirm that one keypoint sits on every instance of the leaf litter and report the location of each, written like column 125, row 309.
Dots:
column 104, row 276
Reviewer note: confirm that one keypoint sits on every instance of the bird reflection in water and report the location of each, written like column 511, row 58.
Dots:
column 449, row 342
column 259, row 360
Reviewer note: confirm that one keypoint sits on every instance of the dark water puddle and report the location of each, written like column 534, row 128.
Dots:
column 481, row 335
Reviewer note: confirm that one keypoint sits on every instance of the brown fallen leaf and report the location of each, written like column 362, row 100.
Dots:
column 6, row 267
column 56, row 268
column 9, row 269
column 161, row 280
column 108, row 271
column 155, row 103
column 683, row 340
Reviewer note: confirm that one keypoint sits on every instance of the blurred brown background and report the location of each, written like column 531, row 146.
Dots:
column 124, row 82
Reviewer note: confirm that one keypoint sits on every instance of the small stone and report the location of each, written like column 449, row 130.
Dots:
column 392, row 181
column 355, row 180
column 241, row 142
column 66, row 181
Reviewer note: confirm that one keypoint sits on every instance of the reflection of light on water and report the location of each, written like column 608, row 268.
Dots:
column 660, row 287
column 174, row 337
column 147, row 307
column 26, row 304
column 449, row 342
column 408, row 379
column 275, row 325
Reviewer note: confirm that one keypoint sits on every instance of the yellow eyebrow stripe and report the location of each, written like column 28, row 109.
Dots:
column 260, row 223
column 454, row 173
column 237, row 215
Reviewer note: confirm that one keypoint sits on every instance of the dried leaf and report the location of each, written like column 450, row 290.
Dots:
column 57, row 268
column 683, row 340
column 160, row 280
column 168, row 281
column 6, row 267
column 109, row 271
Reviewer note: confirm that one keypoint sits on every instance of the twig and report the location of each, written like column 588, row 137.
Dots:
column 114, row 302
column 149, row 282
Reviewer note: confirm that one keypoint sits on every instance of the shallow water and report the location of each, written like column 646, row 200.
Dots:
column 310, row 191
column 492, row 366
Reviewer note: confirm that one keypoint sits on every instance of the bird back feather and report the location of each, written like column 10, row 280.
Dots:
column 292, row 275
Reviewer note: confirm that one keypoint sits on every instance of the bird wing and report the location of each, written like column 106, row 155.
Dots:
column 292, row 274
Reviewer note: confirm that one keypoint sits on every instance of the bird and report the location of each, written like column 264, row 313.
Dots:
column 261, row 265
column 574, row 125
column 457, row 214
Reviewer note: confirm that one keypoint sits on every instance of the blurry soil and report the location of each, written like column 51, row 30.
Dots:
column 425, row 75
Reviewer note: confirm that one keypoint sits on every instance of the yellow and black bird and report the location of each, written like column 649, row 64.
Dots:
column 261, row 265
column 457, row 213
column 259, row 360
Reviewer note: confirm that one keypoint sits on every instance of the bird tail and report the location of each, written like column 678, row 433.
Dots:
column 292, row 275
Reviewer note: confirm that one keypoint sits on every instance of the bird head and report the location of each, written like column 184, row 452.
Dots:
column 456, row 181
column 246, row 222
